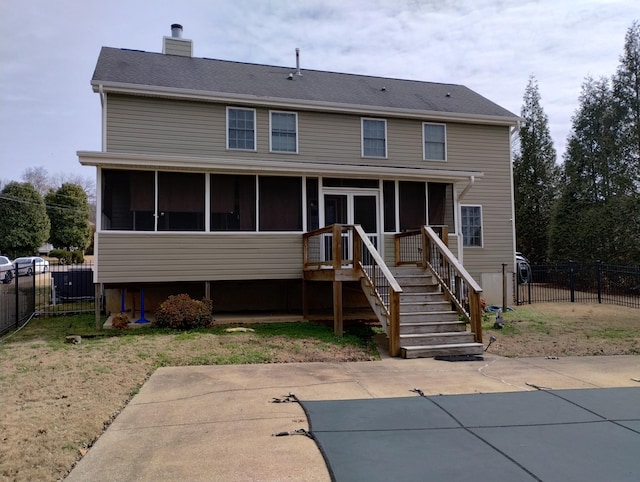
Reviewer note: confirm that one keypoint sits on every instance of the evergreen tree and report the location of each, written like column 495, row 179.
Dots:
column 24, row 225
column 587, row 223
column 626, row 88
column 535, row 177
column 68, row 210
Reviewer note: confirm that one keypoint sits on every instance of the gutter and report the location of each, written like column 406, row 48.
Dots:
column 103, row 103
column 257, row 166
column 255, row 100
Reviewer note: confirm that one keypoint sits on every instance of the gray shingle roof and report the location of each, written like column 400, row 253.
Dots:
column 208, row 76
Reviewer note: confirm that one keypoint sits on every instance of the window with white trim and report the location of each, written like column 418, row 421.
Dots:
column 435, row 142
column 241, row 130
column 374, row 138
column 284, row 131
column 471, row 220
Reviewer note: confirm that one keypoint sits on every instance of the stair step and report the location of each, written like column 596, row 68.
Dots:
column 424, row 306
column 421, row 297
column 432, row 327
column 442, row 350
column 423, row 288
column 435, row 339
column 427, row 316
column 408, row 271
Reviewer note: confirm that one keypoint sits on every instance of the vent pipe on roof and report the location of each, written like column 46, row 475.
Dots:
column 298, row 62
column 176, row 30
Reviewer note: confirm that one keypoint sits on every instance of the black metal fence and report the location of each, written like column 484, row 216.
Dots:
column 579, row 282
column 60, row 289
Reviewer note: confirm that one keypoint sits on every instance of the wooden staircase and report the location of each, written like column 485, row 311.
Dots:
column 429, row 327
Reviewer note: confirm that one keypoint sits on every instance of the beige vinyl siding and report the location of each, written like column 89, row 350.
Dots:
column 198, row 129
column 178, row 46
column 489, row 146
column 159, row 257
column 161, row 126
column 189, row 128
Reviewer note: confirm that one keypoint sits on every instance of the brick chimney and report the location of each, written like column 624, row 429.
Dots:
column 176, row 45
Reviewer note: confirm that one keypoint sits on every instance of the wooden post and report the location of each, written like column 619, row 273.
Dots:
column 337, row 246
column 305, row 301
column 476, row 316
column 426, row 248
column 337, row 308
column 357, row 248
column 97, row 294
column 394, row 323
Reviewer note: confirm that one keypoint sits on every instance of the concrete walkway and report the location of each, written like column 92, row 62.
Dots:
column 216, row 423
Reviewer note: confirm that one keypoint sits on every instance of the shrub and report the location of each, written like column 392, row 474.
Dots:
column 77, row 257
column 120, row 321
column 181, row 312
column 64, row 256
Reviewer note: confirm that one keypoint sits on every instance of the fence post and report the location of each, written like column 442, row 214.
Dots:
column 16, row 284
column 504, row 287
column 599, row 279
column 572, row 282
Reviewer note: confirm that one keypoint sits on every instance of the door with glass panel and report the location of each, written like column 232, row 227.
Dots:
column 352, row 208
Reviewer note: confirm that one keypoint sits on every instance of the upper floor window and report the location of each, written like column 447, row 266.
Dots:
column 374, row 138
column 471, row 217
column 241, row 128
column 435, row 142
column 284, row 132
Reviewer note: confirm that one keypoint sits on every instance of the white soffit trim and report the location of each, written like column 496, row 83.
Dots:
column 293, row 104
column 257, row 166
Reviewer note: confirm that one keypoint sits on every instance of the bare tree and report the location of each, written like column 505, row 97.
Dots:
column 39, row 178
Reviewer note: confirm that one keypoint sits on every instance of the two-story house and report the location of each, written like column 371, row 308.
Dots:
column 211, row 171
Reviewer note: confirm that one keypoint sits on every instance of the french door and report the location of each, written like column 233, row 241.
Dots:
column 353, row 207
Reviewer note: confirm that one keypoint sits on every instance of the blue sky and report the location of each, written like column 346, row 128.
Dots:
column 50, row 47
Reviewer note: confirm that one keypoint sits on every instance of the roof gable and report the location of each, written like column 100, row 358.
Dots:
column 207, row 76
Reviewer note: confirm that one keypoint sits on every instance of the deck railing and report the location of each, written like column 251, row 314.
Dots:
column 427, row 248
column 342, row 246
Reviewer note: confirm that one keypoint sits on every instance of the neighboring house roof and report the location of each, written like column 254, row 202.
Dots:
column 133, row 71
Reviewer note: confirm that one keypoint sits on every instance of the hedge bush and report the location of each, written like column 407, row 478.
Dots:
column 183, row 313
column 64, row 256
column 67, row 257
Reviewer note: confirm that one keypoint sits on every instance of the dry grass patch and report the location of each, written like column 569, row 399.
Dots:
column 566, row 329
column 56, row 398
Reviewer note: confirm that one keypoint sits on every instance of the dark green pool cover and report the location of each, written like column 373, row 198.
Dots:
column 549, row 435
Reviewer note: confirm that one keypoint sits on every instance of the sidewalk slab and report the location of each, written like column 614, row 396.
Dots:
column 217, row 422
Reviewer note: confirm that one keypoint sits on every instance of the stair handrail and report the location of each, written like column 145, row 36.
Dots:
column 382, row 284
column 463, row 291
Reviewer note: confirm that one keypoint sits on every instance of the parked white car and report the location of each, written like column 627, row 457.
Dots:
column 29, row 265
column 6, row 269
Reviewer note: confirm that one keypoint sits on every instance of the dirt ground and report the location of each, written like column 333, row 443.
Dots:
column 57, row 398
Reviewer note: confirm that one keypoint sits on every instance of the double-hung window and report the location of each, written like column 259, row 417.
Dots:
column 471, row 217
column 241, row 128
column 435, row 142
column 284, row 132
column 374, row 138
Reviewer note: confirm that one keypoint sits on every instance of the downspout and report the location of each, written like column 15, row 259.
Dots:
column 103, row 103
column 464, row 192
column 512, row 133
